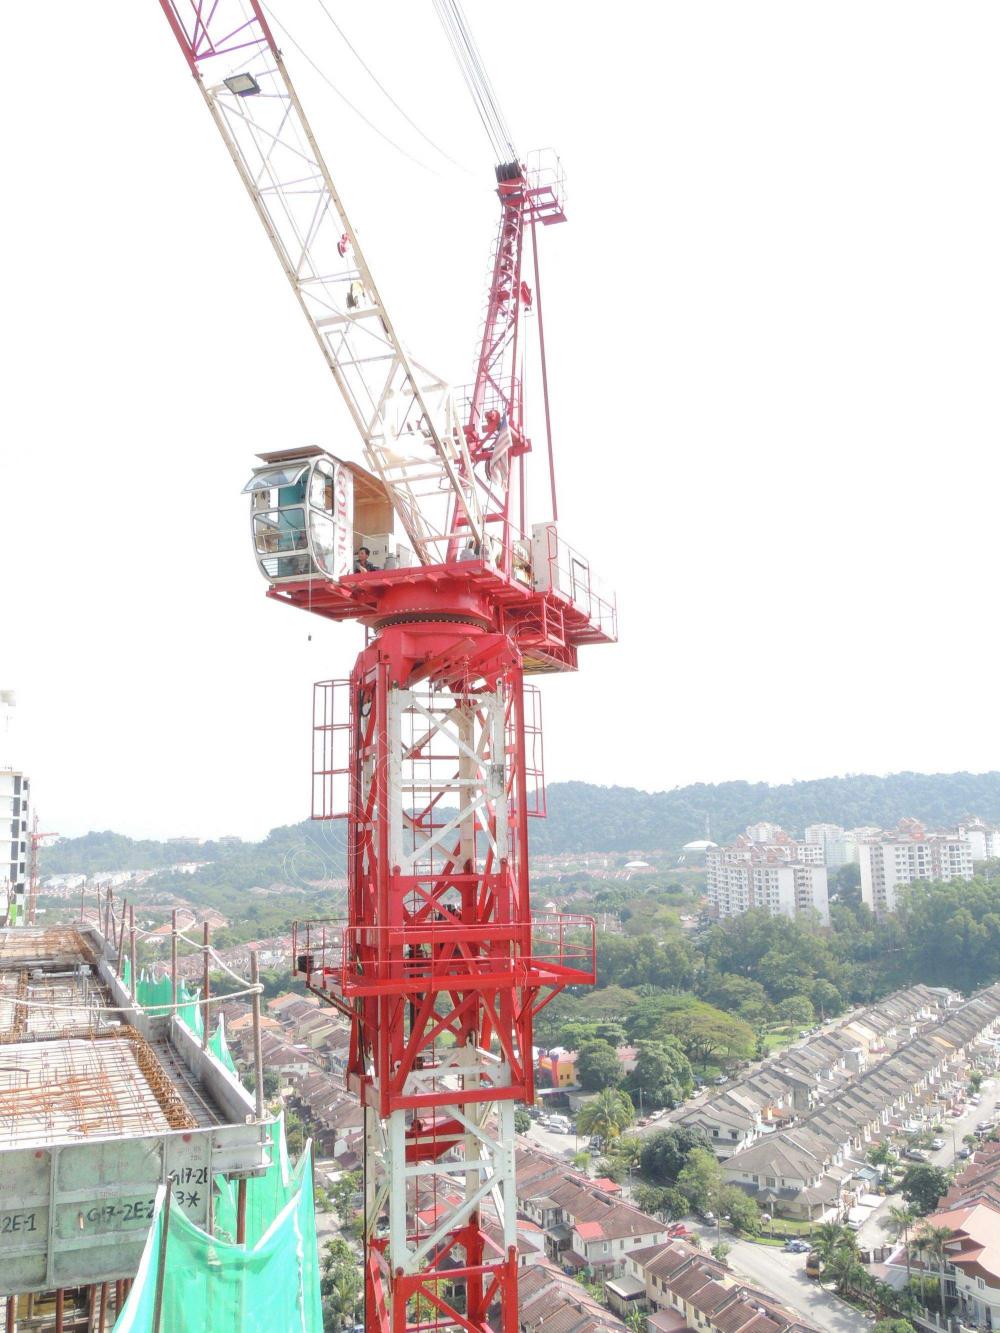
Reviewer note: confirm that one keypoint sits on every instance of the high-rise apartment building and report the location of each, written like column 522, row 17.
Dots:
column 983, row 838
column 15, row 840
column 910, row 853
column 840, row 846
column 773, row 875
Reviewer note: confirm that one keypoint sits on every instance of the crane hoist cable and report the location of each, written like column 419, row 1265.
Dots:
column 477, row 81
column 385, row 91
column 346, row 100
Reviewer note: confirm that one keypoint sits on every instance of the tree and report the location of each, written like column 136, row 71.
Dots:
column 976, row 1080
column 340, row 1284
column 650, row 1198
column 923, row 1185
column 882, row 1154
column 720, row 1250
column 742, row 1211
column 846, row 1270
column 898, row 1223
column 665, row 1152
column 739, row 995
column 894, row 1326
column 826, row 998
column 628, row 1150
column 704, row 1031
column 607, row 1114
column 701, row 1179
column 831, row 1237
column 797, row 1009
column 522, row 1121
column 934, row 1240
column 662, row 1072
column 598, row 1066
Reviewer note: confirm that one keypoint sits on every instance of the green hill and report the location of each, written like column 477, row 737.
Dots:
column 582, row 817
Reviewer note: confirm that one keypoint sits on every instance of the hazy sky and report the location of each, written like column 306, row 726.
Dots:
column 773, row 333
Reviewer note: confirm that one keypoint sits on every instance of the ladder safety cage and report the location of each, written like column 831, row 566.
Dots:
column 332, row 749
column 534, row 755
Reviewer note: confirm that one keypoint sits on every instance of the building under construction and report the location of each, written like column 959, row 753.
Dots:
column 102, row 1105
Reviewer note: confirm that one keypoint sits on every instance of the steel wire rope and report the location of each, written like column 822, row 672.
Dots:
column 346, row 100
column 487, row 114
column 157, row 1008
column 477, row 80
column 385, row 91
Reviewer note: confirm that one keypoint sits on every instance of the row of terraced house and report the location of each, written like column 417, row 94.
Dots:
column 590, row 1231
column 794, row 1133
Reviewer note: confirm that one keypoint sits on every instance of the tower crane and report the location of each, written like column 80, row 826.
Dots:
column 432, row 749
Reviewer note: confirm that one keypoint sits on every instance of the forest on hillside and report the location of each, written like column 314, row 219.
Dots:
column 582, row 817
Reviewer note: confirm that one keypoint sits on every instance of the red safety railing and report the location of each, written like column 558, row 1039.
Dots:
column 341, row 961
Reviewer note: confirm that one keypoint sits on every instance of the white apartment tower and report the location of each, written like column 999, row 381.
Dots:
column 840, row 846
column 15, row 840
column 983, row 838
column 771, row 877
column 909, row 854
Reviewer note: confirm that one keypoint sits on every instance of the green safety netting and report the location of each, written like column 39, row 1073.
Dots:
column 270, row 1284
column 156, row 996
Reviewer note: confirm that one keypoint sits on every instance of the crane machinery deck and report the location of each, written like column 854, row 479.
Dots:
column 432, row 749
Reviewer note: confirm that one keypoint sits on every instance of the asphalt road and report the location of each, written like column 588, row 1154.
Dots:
column 784, row 1277
column 873, row 1231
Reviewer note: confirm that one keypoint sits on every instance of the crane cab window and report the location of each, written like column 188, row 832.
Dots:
column 279, row 521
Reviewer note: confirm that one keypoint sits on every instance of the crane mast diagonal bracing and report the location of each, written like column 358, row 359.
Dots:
column 431, row 751
column 405, row 414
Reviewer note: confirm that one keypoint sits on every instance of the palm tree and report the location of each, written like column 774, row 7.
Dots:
column 936, row 1239
column 831, row 1237
column 898, row 1223
column 920, row 1245
column 846, row 1269
column 610, row 1112
column 628, row 1151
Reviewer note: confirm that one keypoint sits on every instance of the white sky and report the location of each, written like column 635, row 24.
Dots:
column 773, row 333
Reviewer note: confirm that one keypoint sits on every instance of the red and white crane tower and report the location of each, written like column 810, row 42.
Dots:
column 434, row 742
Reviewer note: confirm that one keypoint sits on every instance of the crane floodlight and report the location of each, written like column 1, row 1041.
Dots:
column 243, row 85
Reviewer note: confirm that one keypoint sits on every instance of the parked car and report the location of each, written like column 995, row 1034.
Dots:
column 678, row 1229
column 915, row 1154
column 937, row 1144
column 812, row 1264
column 709, row 1218
column 794, row 1246
column 965, row 1152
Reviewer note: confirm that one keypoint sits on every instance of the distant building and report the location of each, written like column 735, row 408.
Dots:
column 780, row 875
column 840, row 846
column 983, row 838
column 910, row 853
column 15, row 841
column 559, row 1067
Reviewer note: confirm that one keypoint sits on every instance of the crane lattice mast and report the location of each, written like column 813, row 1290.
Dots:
column 432, row 749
